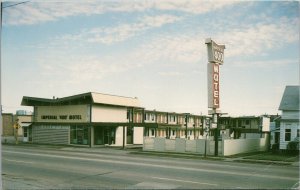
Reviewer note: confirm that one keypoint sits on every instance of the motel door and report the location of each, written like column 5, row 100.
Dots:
column 27, row 130
column 109, row 135
column 129, row 135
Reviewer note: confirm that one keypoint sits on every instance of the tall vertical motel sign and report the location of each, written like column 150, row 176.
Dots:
column 215, row 59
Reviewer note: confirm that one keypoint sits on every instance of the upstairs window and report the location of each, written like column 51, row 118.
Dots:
column 247, row 122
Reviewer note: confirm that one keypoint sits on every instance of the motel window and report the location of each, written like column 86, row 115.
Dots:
column 287, row 134
column 247, row 122
column 173, row 133
column 239, row 123
column 172, row 118
column 152, row 132
column 152, row 117
column 78, row 135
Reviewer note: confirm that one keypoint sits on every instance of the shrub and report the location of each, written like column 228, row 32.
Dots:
column 293, row 147
column 275, row 148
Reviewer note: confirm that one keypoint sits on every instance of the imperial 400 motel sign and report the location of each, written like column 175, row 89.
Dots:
column 215, row 59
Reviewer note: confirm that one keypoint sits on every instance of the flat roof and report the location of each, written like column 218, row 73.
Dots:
column 85, row 98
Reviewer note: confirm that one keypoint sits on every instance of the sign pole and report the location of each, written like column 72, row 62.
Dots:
column 215, row 54
column 216, row 137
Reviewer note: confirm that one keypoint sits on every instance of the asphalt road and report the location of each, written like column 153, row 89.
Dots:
column 40, row 167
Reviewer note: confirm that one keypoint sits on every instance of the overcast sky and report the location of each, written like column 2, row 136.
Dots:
column 153, row 50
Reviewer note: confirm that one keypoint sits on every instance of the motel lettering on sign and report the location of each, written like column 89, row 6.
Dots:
column 216, row 85
column 213, row 83
column 215, row 54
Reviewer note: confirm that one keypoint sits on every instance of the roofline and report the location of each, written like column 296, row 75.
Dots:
column 113, row 95
column 48, row 101
column 53, row 101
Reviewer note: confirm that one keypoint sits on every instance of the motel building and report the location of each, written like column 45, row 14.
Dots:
column 92, row 119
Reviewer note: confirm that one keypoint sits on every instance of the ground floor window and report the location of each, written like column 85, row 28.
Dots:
column 104, row 135
column 25, row 131
column 287, row 134
column 79, row 134
column 152, row 132
column 173, row 133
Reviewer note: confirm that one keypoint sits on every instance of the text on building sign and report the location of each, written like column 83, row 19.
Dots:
column 61, row 117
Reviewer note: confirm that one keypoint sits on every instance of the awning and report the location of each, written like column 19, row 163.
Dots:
column 25, row 124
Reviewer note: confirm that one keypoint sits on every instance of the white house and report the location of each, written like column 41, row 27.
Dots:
column 289, row 123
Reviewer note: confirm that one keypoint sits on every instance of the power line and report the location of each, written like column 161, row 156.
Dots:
column 14, row 4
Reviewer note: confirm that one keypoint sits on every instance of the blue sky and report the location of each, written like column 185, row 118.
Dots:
column 153, row 50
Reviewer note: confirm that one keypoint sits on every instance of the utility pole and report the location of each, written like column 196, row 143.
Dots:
column 1, row 127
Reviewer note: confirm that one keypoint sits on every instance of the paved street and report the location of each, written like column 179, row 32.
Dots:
column 42, row 167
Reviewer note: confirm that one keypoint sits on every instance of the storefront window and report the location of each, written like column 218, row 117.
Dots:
column 104, row 135
column 79, row 135
column 98, row 136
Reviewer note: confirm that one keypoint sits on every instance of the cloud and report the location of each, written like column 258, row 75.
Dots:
column 248, row 40
column 35, row 12
column 171, row 49
column 195, row 7
column 81, row 68
column 171, row 74
column 265, row 63
column 259, row 38
column 25, row 14
column 110, row 35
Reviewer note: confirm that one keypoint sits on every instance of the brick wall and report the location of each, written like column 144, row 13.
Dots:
column 7, row 123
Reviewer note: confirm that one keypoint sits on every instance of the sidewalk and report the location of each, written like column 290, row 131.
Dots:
column 137, row 150
column 236, row 158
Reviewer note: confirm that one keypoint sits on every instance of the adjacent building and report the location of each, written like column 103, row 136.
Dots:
column 244, row 126
column 289, row 122
column 7, row 125
column 24, row 119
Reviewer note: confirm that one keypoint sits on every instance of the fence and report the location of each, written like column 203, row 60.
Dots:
column 237, row 146
column 180, row 145
column 225, row 147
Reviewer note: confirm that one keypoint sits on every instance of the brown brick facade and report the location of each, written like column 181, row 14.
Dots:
column 7, row 123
